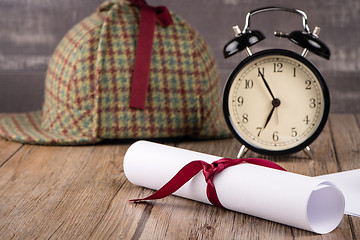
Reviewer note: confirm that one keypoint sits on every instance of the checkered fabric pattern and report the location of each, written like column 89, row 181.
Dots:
column 87, row 88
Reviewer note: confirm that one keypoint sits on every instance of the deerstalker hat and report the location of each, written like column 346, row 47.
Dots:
column 89, row 83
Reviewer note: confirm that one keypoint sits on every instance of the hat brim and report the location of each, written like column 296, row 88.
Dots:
column 26, row 128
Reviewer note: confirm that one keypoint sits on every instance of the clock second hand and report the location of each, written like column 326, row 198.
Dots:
column 277, row 116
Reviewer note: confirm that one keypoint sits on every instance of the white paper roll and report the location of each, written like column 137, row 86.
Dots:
column 348, row 182
column 292, row 199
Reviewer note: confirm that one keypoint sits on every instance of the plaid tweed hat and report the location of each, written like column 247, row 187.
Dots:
column 90, row 89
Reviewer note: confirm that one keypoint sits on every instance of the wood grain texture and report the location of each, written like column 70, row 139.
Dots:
column 82, row 192
column 346, row 139
column 7, row 149
column 62, row 192
column 30, row 31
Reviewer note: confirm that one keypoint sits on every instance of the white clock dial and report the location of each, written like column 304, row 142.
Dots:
column 276, row 102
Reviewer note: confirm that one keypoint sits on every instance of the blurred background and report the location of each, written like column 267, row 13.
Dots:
column 31, row 29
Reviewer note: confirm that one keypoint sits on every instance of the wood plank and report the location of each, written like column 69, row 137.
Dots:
column 82, row 192
column 7, row 148
column 346, row 138
column 60, row 192
column 125, row 220
column 356, row 220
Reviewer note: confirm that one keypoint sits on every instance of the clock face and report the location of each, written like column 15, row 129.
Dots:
column 276, row 102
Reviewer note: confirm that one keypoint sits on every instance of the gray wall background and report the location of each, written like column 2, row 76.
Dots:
column 31, row 29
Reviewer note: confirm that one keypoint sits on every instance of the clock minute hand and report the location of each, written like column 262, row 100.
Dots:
column 266, row 85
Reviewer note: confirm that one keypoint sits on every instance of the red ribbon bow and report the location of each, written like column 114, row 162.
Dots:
column 209, row 171
column 140, row 79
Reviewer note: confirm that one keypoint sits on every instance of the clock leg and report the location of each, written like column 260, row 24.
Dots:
column 243, row 150
column 308, row 152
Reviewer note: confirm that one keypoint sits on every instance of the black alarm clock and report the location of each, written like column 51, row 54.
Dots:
column 276, row 101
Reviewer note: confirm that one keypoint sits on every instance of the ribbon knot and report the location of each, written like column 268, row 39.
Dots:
column 140, row 79
column 209, row 171
column 162, row 13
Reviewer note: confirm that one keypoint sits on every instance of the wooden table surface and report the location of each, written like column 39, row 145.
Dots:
column 81, row 192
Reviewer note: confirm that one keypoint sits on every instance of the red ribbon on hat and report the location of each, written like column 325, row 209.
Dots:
column 140, row 79
column 209, row 171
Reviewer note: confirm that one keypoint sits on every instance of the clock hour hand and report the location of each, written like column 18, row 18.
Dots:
column 276, row 102
column 266, row 85
column 269, row 117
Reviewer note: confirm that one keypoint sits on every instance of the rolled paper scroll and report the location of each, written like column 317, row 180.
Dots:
column 348, row 182
column 288, row 198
